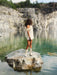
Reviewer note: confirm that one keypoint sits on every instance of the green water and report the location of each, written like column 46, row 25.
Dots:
column 11, row 43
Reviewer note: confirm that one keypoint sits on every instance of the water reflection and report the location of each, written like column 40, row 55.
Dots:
column 11, row 41
column 27, row 73
column 49, row 68
column 38, row 34
column 45, row 34
column 16, row 40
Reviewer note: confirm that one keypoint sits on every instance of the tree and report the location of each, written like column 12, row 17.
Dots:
column 28, row 3
column 37, row 4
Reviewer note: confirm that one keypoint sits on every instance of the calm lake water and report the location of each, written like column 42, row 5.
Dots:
column 46, row 46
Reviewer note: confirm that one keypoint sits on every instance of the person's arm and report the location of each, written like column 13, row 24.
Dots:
column 28, row 28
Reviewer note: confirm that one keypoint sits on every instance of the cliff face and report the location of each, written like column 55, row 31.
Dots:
column 46, row 23
column 11, row 19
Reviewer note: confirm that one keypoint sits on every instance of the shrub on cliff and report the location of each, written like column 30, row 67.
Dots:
column 7, row 3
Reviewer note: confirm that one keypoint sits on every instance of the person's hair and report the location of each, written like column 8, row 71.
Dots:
column 28, row 22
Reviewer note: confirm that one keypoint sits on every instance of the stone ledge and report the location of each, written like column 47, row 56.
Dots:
column 18, row 61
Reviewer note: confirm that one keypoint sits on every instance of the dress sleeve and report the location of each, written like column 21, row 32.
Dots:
column 28, row 29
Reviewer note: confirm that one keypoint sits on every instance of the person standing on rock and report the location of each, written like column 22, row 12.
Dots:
column 29, row 35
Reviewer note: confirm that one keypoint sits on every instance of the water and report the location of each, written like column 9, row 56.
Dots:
column 46, row 47
column 49, row 68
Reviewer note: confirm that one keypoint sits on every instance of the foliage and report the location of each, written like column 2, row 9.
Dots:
column 19, row 5
column 7, row 3
column 27, row 4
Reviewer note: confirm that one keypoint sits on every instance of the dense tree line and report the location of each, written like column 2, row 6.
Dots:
column 7, row 3
column 27, row 4
column 19, row 5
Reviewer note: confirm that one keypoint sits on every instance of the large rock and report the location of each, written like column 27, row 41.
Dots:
column 19, row 61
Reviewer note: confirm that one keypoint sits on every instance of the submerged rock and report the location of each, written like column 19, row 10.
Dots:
column 18, row 61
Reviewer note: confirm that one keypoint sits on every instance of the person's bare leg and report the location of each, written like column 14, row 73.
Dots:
column 28, row 45
column 31, row 47
column 31, row 44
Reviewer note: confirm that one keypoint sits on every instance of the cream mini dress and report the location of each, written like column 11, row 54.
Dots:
column 30, row 32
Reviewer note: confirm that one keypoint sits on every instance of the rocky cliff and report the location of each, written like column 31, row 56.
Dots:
column 11, row 19
column 45, row 23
